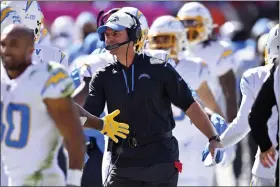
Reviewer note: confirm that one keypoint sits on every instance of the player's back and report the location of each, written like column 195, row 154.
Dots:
column 30, row 139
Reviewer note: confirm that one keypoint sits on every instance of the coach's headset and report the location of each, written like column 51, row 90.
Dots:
column 134, row 32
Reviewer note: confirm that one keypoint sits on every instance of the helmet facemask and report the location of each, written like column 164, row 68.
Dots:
column 197, row 21
column 168, row 42
column 195, row 29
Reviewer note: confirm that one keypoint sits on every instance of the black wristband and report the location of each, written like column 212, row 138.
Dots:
column 216, row 137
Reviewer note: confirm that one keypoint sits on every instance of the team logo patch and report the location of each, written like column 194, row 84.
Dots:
column 56, row 78
column 144, row 75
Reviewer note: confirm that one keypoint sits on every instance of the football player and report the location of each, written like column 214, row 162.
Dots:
column 36, row 103
column 250, row 85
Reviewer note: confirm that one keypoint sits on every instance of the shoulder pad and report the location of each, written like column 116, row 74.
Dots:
column 52, row 65
column 154, row 60
column 58, row 82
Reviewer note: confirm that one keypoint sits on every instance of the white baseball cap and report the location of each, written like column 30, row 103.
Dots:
column 118, row 22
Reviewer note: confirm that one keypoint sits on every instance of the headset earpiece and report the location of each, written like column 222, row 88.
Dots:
column 134, row 33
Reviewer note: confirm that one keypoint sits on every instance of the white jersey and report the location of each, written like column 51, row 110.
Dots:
column 30, row 140
column 218, row 56
column 193, row 70
column 89, row 64
column 250, row 85
column 44, row 53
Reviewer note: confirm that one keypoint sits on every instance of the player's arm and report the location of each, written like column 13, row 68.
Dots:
column 94, row 106
column 261, row 112
column 228, row 85
column 206, row 95
column 56, row 95
column 95, row 100
column 81, row 65
column 65, row 116
column 82, row 95
column 107, row 125
column 239, row 127
column 224, row 70
column 88, row 120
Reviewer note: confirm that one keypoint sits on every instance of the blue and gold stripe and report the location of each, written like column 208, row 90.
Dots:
column 6, row 12
column 58, row 76
column 28, row 4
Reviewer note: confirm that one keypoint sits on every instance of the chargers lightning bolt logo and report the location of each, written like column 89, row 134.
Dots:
column 6, row 12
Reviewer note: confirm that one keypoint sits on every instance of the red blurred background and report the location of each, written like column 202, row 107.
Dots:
column 246, row 11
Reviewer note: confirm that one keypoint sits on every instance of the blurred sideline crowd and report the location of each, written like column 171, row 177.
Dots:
column 69, row 32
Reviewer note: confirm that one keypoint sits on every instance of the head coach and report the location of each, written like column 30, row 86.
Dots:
column 143, row 88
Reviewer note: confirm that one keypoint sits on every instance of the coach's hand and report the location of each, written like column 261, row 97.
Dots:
column 213, row 153
column 112, row 128
column 268, row 158
column 214, row 148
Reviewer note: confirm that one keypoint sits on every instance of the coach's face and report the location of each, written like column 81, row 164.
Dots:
column 114, row 37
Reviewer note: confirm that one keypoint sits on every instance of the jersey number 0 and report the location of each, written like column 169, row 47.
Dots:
column 24, row 125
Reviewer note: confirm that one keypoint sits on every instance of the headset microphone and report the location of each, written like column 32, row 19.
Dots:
column 115, row 46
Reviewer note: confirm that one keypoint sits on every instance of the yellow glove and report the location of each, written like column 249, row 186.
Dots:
column 112, row 128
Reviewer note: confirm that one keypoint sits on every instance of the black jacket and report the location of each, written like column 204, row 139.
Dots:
column 261, row 112
column 143, row 93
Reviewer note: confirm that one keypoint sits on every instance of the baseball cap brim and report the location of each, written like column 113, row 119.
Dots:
column 115, row 27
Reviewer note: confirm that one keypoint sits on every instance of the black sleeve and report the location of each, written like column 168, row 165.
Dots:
column 261, row 112
column 176, row 88
column 95, row 100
